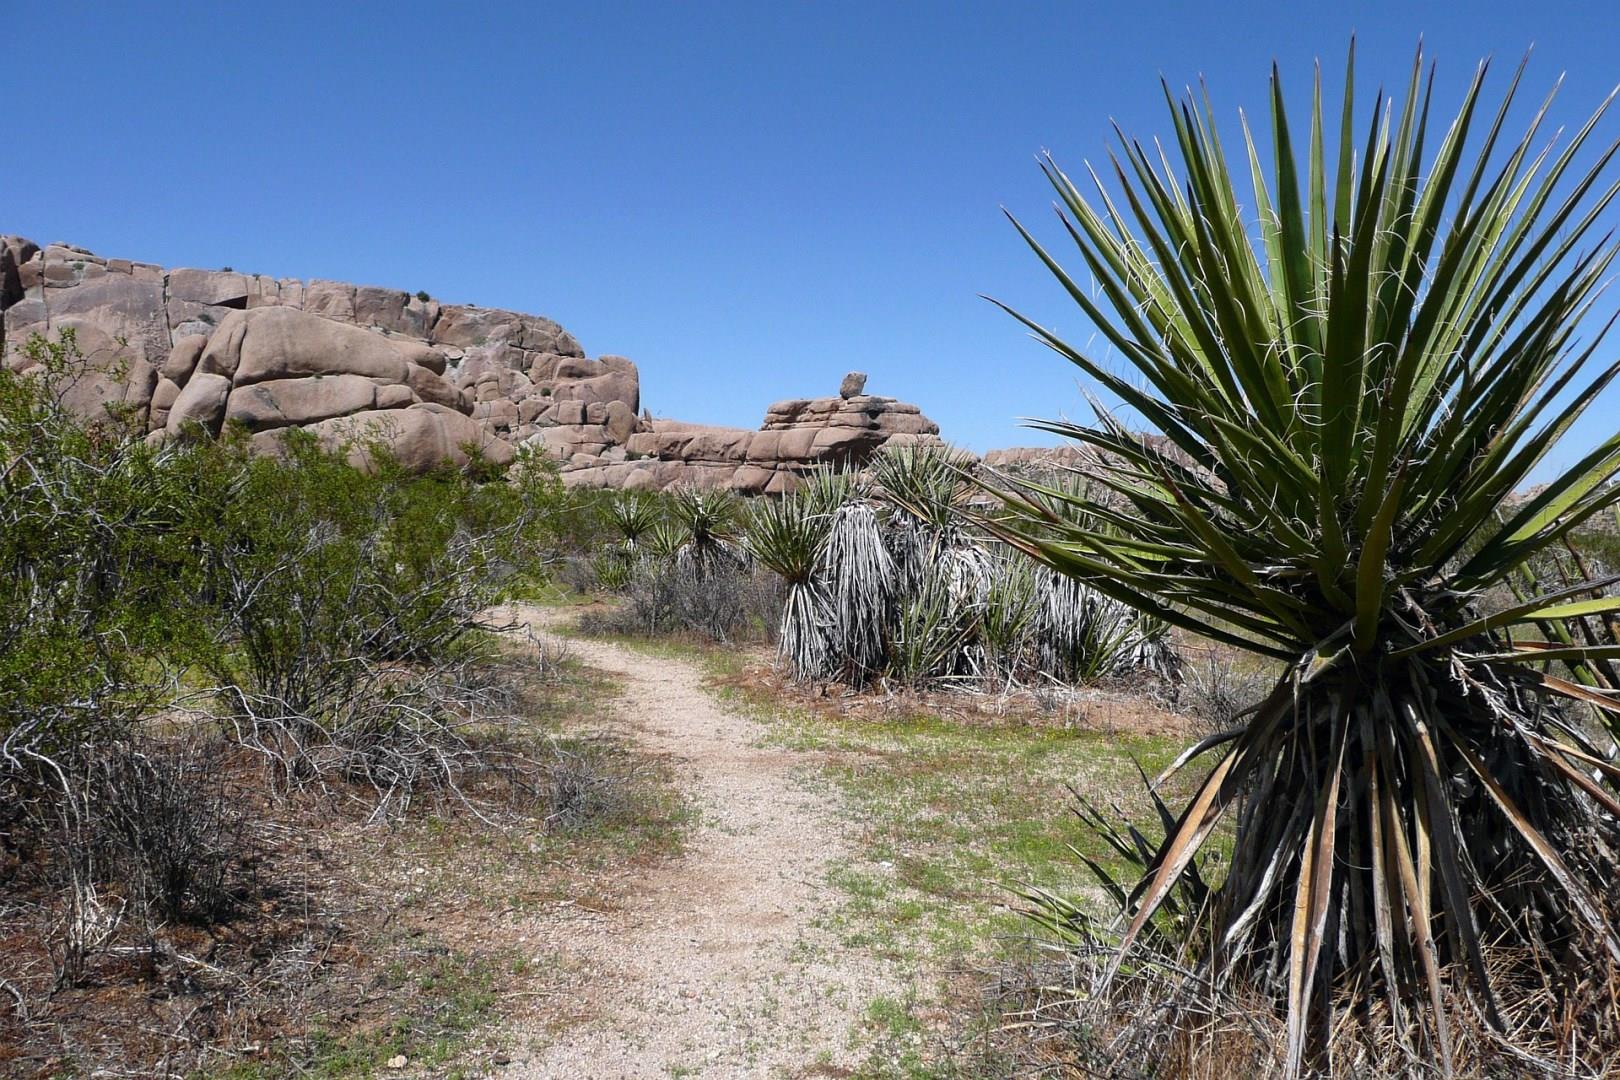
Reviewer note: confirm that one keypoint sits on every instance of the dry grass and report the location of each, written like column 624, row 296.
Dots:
column 343, row 942
column 1131, row 706
column 1057, row 1016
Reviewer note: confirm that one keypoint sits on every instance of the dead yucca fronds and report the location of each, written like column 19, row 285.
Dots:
column 858, row 576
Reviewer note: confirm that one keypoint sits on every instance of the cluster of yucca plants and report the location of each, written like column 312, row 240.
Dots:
column 683, row 568
column 888, row 579
column 1354, row 377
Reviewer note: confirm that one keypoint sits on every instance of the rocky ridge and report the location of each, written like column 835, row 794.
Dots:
column 188, row 349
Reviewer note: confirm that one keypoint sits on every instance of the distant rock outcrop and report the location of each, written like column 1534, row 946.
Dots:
column 188, row 349
column 796, row 436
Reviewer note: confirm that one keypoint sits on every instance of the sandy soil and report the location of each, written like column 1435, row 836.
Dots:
column 711, row 966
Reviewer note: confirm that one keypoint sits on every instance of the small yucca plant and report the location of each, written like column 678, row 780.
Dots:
column 663, row 541
column 1352, row 382
column 634, row 514
column 787, row 536
column 709, row 519
column 1006, row 625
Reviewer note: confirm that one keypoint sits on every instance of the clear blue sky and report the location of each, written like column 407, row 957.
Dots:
column 747, row 199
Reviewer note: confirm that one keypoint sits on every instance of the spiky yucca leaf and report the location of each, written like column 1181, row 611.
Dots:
column 932, row 631
column 1351, row 382
column 663, row 541
column 825, row 490
column 929, row 481
column 1006, row 626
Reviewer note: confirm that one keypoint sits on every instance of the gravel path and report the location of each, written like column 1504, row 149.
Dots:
column 711, row 967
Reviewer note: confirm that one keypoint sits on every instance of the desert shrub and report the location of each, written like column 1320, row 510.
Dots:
column 580, row 790
column 314, row 572
column 88, row 521
column 120, row 838
column 575, row 572
column 324, row 603
column 1218, row 690
column 719, row 600
column 581, row 522
column 163, row 827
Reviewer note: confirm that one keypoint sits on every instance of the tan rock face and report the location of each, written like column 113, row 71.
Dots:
column 182, row 361
column 316, row 352
column 193, row 347
column 163, row 399
column 201, row 402
column 300, row 402
column 15, row 253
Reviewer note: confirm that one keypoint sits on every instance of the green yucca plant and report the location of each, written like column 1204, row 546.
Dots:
column 634, row 514
column 663, row 541
column 931, row 631
column 787, row 536
column 859, row 577
column 614, row 567
column 929, row 481
column 709, row 518
column 1082, row 635
column 1351, row 383
column 1006, row 626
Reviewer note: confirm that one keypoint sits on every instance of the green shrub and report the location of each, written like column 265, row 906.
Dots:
column 88, row 522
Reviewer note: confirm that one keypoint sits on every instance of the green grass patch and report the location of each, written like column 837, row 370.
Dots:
column 435, row 1007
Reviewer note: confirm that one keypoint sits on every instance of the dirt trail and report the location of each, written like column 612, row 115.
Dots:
column 712, row 967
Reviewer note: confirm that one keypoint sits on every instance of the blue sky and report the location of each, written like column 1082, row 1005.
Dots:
column 747, row 199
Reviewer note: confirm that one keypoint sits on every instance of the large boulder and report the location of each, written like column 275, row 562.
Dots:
column 183, row 358
column 200, row 403
column 284, row 343
column 435, row 388
column 298, row 402
column 163, row 399
column 420, row 437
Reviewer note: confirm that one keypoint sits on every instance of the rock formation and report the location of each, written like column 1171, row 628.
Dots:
column 194, row 350
column 208, row 347
column 796, row 436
